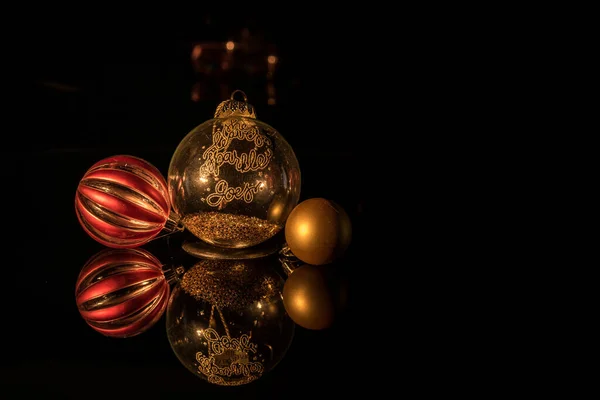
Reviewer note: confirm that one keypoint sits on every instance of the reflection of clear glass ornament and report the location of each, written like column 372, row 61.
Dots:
column 234, row 179
column 226, row 321
column 122, row 292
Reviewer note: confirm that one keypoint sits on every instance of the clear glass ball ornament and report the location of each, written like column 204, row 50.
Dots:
column 234, row 179
column 226, row 321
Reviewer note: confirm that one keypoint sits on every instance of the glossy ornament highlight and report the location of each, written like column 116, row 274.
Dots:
column 122, row 202
column 122, row 292
column 234, row 179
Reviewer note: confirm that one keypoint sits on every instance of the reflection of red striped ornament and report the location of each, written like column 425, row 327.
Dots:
column 122, row 201
column 122, row 292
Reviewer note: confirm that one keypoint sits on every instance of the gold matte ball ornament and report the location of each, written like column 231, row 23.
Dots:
column 318, row 231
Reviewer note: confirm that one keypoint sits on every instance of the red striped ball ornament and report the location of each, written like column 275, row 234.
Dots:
column 122, row 202
column 122, row 292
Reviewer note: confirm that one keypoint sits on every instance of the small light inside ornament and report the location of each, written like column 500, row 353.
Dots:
column 230, row 45
column 272, row 59
column 276, row 211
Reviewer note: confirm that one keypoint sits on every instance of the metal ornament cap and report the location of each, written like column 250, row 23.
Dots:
column 235, row 108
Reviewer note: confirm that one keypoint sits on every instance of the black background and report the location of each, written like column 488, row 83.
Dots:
column 81, row 92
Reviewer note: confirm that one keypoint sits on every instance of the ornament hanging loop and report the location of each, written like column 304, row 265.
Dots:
column 172, row 225
column 235, row 108
column 286, row 252
column 241, row 92
column 173, row 274
column 289, row 262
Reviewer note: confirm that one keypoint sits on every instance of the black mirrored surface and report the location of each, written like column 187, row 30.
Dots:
column 81, row 98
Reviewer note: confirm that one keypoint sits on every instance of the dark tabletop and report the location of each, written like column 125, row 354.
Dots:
column 82, row 100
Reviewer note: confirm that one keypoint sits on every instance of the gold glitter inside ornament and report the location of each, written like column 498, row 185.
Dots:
column 226, row 284
column 226, row 321
column 229, row 230
column 234, row 179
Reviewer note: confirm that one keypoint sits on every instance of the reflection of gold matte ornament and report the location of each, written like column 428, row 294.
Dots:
column 318, row 231
column 313, row 296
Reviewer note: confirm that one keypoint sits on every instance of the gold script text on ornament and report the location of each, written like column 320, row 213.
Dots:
column 208, row 367
column 238, row 129
column 218, row 344
column 224, row 194
column 216, row 154
column 251, row 161
column 229, row 359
